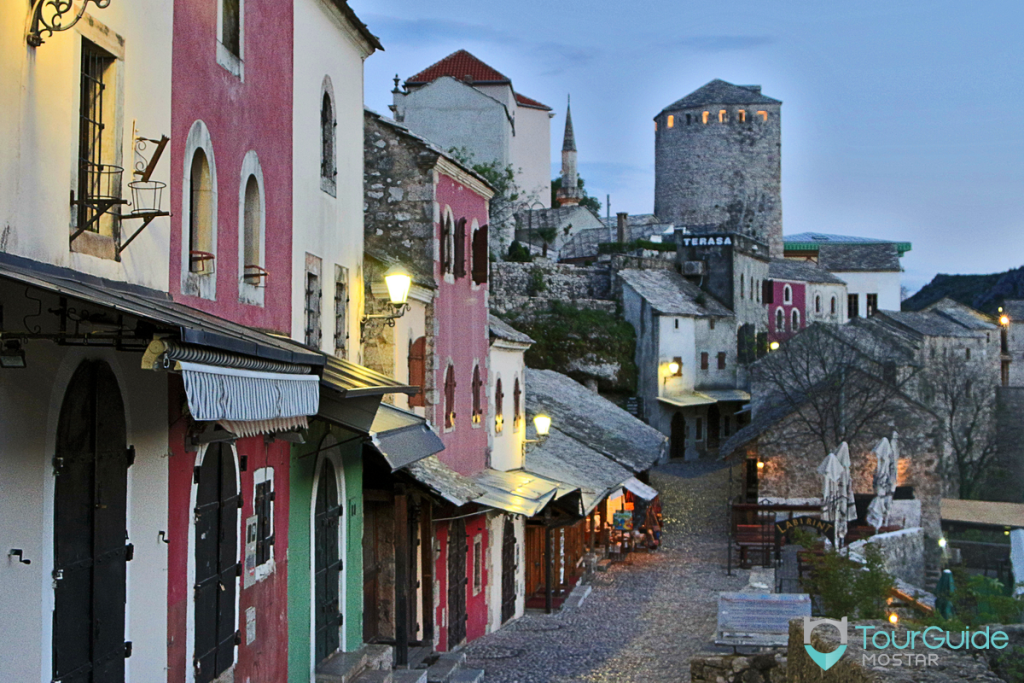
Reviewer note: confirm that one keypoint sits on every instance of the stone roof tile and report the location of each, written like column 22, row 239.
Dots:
column 502, row 330
column 721, row 92
column 800, row 271
column 670, row 293
column 847, row 258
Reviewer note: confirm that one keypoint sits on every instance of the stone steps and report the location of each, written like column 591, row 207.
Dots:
column 409, row 675
column 468, row 676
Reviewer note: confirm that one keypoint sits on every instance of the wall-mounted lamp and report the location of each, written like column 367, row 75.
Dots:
column 760, row 465
column 12, row 356
column 54, row 19
column 674, row 368
column 774, row 346
column 398, row 281
column 894, row 619
column 1004, row 320
column 942, row 542
column 542, row 424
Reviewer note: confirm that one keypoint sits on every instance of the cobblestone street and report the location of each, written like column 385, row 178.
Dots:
column 645, row 618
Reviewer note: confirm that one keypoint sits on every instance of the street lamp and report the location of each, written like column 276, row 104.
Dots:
column 774, row 346
column 398, row 281
column 541, row 423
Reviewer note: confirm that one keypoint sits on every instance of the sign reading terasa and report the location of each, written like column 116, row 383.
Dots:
column 710, row 241
column 824, row 526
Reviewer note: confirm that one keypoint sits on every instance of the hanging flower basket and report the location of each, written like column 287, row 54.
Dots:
column 255, row 276
column 201, row 262
column 147, row 196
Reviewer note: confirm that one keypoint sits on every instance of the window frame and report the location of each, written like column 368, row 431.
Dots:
column 478, row 404
column 313, row 303
column 248, row 292
column 787, row 294
column 853, row 306
column 342, row 297
column 499, row 407
column 780, row 320
column 794, row 320
column 199, row 284
column 328, row 166
column 233, row 63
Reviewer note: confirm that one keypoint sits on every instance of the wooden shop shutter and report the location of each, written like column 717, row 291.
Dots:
column 418, row 371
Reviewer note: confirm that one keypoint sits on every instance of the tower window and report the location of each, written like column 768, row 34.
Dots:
column 763, row 115
column 705, row 116
column 817, row 304
column 723, row 116
column 687, row 119
column 741, row 115
column 671, row 121
column 328, row 168
column 833, row 305
column 742, row 281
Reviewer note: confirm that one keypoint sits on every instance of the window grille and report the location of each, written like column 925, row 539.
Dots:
column 328, row 166
column 313, row 297
column 264, row 510
column 99, row 183
column 341, row 300
column 499, row 407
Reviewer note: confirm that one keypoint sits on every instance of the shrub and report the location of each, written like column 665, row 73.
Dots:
column 517, row 253
column 535, row 285
column 849, row 589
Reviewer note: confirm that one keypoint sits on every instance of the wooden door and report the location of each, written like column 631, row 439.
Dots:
column 378, row 542
column 216, row 561
column 678, row 444
column 327, row 563
column 535, row 559
column 508, row 570
column 90, row 530
column 457, row 582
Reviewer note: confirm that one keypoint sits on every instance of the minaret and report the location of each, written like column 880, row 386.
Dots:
column 570, row 192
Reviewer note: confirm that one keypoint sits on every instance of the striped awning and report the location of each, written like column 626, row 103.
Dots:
column 230, row 394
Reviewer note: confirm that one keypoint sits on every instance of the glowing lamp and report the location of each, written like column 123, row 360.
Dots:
column 673, row 368
column 1004, row 320
column 760, row 465
column 894, row 619
column 774, row 346
column 398, row 281
column 942, row 542
column 542, row 423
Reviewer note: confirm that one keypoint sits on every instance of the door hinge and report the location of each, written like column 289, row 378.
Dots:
column 238, row 637
column 58, row 464
column 238, row 569
column 130, row 455
column 129, row 552
column 127, row 649
column 271, row 496
column 243, row 463
column 195, row 474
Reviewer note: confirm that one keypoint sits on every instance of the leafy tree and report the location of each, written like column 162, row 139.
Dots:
column 517, row 253
column 591, row 203
column 506, row 192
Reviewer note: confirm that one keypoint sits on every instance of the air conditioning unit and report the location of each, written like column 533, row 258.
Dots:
column 694, row 268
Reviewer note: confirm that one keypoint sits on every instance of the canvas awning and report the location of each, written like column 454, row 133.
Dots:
column 402, row 438
column 638, row 488
column 518, row 491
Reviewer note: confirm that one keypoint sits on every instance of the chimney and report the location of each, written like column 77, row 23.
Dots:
column 468, row 79
column 623, row 226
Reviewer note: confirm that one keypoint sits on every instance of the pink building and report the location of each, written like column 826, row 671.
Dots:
column 802, row 293
column 787, row 312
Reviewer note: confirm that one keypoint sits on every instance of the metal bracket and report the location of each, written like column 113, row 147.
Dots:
column 56, row 21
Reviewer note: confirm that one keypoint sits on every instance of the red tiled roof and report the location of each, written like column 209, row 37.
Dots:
column 530, row 102
column 458, row 65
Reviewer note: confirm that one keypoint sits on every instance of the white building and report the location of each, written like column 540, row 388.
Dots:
column 690, row 381
column 869, row 267
column 462, row 103
column 72, row 103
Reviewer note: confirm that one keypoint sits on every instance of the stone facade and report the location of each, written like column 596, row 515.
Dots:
column 902, row 551
column 712, row 169
column 519, row 286
column 765, row 667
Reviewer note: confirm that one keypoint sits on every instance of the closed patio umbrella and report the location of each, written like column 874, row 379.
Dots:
column 846, row 507
column 833, row 500
column 944, row 595
column 878, row 510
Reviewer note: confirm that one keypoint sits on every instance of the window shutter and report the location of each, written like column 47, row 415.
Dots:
column 446, row 255
column 703, row 360
column 721, row 360
column 460, row 248
column 477, row 384
column 767, row 291
column 418, row 371
column 481, row 256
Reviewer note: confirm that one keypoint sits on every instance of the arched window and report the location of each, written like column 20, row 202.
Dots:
column 817, row 303
column 447, row 243
column 252, row 232
column 499, row 407
column 449, row 398
column 200, row 223
column 780, row 320
column 478, row 407
column 705, row 116
column 516, row 406
column 752, row 288
column 833, row 305
column 460, row 248
column 671, row 121
column 796, row 321
column 328, row 165
column 787, row 295
column 742, row 281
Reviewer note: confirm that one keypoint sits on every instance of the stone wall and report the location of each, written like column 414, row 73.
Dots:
column 767, row 667
column 518, row 286
column 875, row 666
column 902, row 551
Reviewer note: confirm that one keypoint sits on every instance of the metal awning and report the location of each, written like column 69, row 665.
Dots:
column 982, row 513
column 518, row 491
column 443, row 480
column 192, row 326
column 638, row 488
column 403, row 437
column 353, row 381
column 723, row 395
column 687, row 400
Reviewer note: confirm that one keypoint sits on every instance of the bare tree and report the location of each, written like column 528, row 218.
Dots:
column 838, row 384
column 963, row 395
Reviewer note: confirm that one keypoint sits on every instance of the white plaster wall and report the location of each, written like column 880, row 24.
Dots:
column 826, row 292
column 30, row 402
column 506, row 447
column 330, row 228
column 496, row 536
column 531, row 154
column 450, row 114
column 885, row 284
column 39, row 95
column 674, row 342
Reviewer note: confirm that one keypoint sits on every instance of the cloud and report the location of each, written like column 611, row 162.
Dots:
column 721, row 43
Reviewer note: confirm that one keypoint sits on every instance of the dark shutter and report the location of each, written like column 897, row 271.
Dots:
column 457, row 580
column 767, row 291
column 516, row 404
column 327, row 564
column 446, row 254
column 704, row 360
column 721, row 360
column 263, row 522
column 418, row 371
column 508, row 571
column 449, row 398
column 216, row 561
column 90, row 513
column 477, row 391
column 460, row 248
column 499, row 406
column 481, row 256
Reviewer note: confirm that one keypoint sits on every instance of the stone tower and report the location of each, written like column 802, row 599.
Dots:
column 569, row 194
column 717, row 161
